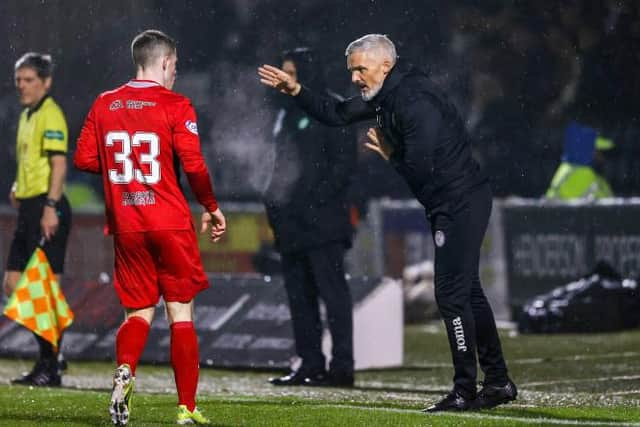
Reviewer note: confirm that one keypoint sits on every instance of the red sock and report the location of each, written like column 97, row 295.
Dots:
column 130, row 341
column 185, row 361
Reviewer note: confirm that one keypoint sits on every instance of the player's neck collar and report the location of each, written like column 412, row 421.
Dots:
column 141, row 84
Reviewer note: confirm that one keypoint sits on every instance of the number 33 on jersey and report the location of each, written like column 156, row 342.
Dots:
column 129, row 172
column 138, row 137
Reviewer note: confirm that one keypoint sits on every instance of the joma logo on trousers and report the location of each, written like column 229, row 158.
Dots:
column 458, row 331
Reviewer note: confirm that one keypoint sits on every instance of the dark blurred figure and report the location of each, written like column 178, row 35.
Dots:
column 308, row 210
column 499, row 128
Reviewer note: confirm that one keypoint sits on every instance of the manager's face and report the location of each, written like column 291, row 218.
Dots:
column 368, row 70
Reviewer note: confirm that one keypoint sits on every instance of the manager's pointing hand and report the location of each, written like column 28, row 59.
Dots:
column 274, row 77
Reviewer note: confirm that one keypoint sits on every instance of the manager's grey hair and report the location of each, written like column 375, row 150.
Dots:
column 378, row 42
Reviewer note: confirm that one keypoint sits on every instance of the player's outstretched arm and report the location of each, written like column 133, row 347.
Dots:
column 274, row 77
column 217, row 222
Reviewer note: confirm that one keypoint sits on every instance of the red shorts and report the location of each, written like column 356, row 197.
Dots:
column 157, row 263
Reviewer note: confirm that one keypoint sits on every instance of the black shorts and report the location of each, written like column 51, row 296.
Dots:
column 28, row 234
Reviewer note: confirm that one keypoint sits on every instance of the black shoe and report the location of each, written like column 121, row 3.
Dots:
column 454, row 401
column 49, row 378
column 43, row 374
column 493, row 395
column 26, row 377
column 295, row 378
column 331, row 379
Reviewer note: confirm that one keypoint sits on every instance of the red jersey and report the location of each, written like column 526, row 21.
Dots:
column 136, row 137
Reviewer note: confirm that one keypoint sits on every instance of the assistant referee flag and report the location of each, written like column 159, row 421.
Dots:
column 38, row 303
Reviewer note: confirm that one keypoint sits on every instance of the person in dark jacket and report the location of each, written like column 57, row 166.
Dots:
column 423, row 137
column 307, row 208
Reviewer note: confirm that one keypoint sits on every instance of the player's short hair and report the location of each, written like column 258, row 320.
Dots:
column 149, row 45
column 379, row 42
column 41, row 63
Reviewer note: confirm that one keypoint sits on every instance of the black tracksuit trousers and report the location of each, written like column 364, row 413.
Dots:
column 310, row 275
column 458, row 228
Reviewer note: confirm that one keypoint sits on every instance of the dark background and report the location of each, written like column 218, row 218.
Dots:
column 518, row 71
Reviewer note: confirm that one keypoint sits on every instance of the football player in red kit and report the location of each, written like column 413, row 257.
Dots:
column 137, row 137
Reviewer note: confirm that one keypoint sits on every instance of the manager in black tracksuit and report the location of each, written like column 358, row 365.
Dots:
column 421, row 134
column 307, row 207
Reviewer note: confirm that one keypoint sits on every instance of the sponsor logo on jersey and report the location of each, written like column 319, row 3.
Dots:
column 133, row 104
column 191, row 126
column 458, row 331
column 440, row 238
column 138, row 198
column 116, row 105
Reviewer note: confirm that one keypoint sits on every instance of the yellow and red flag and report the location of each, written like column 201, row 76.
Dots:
column 38, row 303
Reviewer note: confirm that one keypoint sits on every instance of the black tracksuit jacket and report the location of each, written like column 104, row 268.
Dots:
column 431, row 149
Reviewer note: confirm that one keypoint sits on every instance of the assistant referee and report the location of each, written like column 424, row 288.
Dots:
column 44, row 214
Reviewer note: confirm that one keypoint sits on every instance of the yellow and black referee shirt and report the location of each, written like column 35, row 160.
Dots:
column 41, row 130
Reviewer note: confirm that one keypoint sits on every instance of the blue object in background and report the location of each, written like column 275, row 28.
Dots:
column 579, row 144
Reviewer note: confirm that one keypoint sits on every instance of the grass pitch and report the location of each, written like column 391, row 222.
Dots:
column 590, row 380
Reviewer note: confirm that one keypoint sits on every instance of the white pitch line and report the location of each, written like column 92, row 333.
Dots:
column 536, row 360
column 423, row 389
column 477, row 415
column 582, row 380
column 625, row 354
column 623, row 393
column 545, row 420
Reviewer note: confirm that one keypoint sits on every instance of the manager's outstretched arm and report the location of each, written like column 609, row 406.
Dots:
column 327, row 110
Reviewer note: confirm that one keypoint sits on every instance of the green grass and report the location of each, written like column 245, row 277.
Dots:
column 563, row 380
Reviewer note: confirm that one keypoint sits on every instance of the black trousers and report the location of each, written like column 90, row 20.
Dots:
column 458, row 229
column 28, row 234
column 310, row 275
